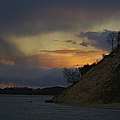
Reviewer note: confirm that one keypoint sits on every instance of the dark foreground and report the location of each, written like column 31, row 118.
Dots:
column 34, row 108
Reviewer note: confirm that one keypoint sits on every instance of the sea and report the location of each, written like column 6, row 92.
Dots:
column 27, row 107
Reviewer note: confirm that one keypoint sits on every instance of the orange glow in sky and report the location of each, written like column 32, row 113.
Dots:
column 53, row 60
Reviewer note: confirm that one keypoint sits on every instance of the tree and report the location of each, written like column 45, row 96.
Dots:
column 72, row 75
column 112, row 36
column 83, row 70
column 118, row 40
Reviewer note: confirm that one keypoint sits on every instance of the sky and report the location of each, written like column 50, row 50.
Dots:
column 39, row 35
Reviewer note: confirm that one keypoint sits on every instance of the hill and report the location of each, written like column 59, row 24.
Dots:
column 30, row 91
column 99, row 85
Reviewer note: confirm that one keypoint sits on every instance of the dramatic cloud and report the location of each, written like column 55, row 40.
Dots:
column 67, row 58
column 84, row 44
column 32, row 77
column 8, row 49
column 67, row 51
column 99, row 40
column 71, row 42
column 39, row 34
column 29, row 17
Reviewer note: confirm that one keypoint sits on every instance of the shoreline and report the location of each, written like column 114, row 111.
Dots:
column 115, row 106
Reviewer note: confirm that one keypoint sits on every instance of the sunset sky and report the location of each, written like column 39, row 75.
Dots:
column 48, row 34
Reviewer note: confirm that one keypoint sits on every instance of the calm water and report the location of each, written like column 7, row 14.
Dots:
column 34, row 108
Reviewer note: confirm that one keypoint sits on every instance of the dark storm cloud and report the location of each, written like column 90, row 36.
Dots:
column 12, row 15
column 100, row 40
column 35, row 77
column 8, row 49
column 23, row 17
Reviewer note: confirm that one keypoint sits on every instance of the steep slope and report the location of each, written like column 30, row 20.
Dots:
column 100, row 85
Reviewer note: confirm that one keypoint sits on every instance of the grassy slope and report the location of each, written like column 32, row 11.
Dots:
column 95, row 86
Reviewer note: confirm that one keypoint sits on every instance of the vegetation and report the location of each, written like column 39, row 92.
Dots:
column 86, row 68
column 114, row 36
column 100, row 83
column 74, row 75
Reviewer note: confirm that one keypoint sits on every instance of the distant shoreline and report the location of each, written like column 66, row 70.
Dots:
column 31, row 91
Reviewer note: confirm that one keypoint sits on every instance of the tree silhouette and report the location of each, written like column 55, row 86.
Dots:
column 118, row 40
column 72, row 75
column 112, row 37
